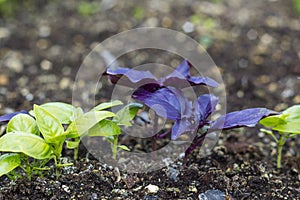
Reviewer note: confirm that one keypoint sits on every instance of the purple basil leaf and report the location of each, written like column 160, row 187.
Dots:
column 7, row 117
column 198, row 80
column 184, row 68
column 248, row 117
column 130, row 77
column 185, row 104
column 182, row 126
column 181, row 78
column 166, row 102
column 207, row 104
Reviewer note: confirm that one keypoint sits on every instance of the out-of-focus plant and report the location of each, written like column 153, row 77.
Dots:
column 296, row 6
column 86, row 8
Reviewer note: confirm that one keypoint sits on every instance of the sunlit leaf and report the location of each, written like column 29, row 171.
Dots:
column 50, row 127
column 104, row 128
column 29, row 144
column 9, row 162
column 23, row 123
column 123, row 147
column 62, row 111
column 107, row 105
column 72, row 144
column 127, row 113
column 287, row 122
column 82, row 124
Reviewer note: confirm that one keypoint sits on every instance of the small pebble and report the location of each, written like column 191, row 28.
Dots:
column 150, row 197
column 212, row 195
column 4, row 33
column 252, row 34
column 152, row 188
column 94, row 196
column 173, row 174
column 66, row 188
column 188, row 27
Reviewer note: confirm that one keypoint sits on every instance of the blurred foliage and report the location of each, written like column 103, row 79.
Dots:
column 207, row 25
column 86, row 8
column 8, row 7
column 216, row 1
column 206, row 41
column 11, row 8
column 138, row 12
column 296, row 5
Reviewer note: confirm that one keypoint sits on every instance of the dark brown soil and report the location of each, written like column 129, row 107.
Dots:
column 256, row 46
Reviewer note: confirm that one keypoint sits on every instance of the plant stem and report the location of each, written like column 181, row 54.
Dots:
column 198, row 141
column 282, row 139
column 115, row 147
column 27, row 167
column 279, row 153
column 155, row 127
column 76, row 149
column 160, row 136
column 57, row 172
column 153, row 139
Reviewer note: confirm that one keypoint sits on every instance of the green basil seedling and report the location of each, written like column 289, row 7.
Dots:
column 83, row 122
column 286, row 124
column 78, row 123
column 111, row 130
column 22, row 138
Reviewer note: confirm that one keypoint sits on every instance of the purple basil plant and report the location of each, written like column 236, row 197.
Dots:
column 165, row 97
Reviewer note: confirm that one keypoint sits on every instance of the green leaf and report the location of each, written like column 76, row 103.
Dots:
column 104, row 128
column 72, row 144
column 50, row 127
column 287, row 122
column 62, row 111
column 22, row 122
column 29, row 144
column 78, row 112
column 273, row 120
column 123, row 147
column 82, row 124
column 127, row 113
column 9, row 162
column 107, row 105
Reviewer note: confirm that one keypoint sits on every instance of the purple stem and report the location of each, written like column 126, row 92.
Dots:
column 199, row 141
column 160, row 136
column 155, row 128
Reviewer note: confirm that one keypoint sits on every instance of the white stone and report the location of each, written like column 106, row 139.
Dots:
column 152, row 188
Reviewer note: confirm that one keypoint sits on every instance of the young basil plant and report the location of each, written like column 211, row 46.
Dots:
column 166, row 98
column 93, row 123
column 23, row 147
column 111, row 129
column 78, row 122
column 84, row 123
column 283, row 126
